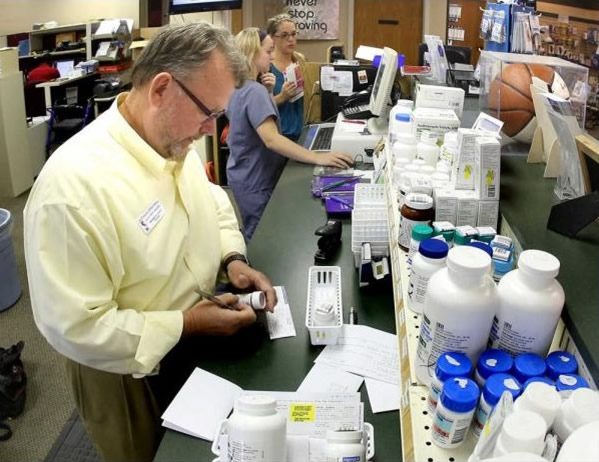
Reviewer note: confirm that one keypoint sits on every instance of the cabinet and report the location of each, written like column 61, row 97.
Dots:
column 71, row 40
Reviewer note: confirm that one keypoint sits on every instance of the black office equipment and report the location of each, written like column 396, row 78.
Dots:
column 362, row 77
column 357, row 106
column 454, row 54
column 329, row 242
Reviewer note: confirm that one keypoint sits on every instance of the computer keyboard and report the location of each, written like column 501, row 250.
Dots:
column 322, row 142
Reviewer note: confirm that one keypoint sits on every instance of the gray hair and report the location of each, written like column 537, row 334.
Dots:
column 182, row 49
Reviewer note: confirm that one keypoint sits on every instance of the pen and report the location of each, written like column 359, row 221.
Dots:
column 340, row 183
column 341, row 201
column 353, row 316
column 215, row 300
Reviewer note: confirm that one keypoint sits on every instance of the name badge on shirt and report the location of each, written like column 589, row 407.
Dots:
column 151, row 216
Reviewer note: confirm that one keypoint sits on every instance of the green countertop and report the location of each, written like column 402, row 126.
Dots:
column 283, row 247
column 526, row 200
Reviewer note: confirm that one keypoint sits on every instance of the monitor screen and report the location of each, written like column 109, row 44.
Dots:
column 195, row 6
column 65, row 67
column 380, row 99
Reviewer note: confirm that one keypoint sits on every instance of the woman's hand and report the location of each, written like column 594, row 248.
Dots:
column 268, row 79
column 335, row 159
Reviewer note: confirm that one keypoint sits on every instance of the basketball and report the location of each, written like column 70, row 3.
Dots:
column 510, row 97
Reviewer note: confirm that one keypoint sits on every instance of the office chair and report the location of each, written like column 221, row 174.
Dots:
column 65, row 121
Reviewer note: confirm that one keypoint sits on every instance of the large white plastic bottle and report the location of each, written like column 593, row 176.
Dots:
column 460, row 304
column 427, row 148
column 531, row 301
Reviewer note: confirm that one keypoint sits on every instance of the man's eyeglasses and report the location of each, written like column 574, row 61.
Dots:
column 286, row 35
column 211, row 115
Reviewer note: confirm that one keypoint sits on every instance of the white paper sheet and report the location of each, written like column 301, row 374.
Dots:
column 383, row 396
column 280, row 323
column 343, row 83
column 326, row 78
column 326, row 378
column 368, row 53
column 365, row 351
column 203, row 401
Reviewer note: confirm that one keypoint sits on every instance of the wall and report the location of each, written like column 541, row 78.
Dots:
column 19, row 15
column 434, row 21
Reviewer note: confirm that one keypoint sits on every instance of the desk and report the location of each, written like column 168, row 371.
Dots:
column 283, row 247
column 60, row 82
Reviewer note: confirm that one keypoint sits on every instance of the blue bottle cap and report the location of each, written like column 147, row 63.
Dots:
column 527, row 365
column 570, row 382
column 403, row 117
column 561, row 362
column 496, row 384
column 453, row 364
column 433, row 248
column 483, row 246
column 546, row 380
column 494, row 361
column 460, row 394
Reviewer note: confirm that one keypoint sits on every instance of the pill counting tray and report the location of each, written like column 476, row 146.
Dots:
column 324, row 294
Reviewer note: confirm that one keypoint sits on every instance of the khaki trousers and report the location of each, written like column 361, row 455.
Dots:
column 119, row 412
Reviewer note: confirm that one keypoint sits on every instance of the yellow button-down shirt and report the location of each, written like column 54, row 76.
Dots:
column 116, row 240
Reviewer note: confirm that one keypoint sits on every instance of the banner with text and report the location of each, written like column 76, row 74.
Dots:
column 314, row 19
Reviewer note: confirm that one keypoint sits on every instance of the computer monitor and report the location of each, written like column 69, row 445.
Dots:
column 65, row 67
column 380, row 98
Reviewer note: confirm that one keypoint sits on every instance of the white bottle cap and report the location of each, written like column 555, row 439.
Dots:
column 468, row 260
column 523, row 431
column 541, row 398
column 428, row 137
column 405, row 103
column 585, row 406
column 344, row 437
column 420, row 202
column 581, row 445
column 538, row 263
column 256, row 404
column 451, row 138
column 256, row 300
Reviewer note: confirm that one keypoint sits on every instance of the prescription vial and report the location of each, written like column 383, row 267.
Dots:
column 449, row 365
column 540, row 398
column 581, row 445
column 345, row 446
column 427, row 148
column 521, row 431
column 580, row 408
column 454, row 412
column 419, row 234
column 492, row 391
column 404, row 146
column 429, row 259
column 460, row 303
column 560, row 362
column 257, row 433
column 531, row 301
column 417, row 210
column 492, row 361
column 528, row 365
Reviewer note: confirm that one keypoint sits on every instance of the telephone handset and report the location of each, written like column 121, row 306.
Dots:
column 357, row 106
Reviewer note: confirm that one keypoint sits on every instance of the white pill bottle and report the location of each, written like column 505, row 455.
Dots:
column 531, row 302
column 256, row 432
column 459, row 307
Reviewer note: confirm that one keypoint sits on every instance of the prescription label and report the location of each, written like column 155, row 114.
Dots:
column 302, row 412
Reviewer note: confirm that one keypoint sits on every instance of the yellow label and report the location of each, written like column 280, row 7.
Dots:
column 302, row 412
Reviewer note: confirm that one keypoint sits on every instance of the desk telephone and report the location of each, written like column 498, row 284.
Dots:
column 357, row 106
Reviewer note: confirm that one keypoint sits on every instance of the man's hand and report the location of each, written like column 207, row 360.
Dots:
column 208, row 318
column 245, row 277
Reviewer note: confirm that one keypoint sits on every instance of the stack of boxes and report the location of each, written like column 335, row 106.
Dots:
column 474, row 198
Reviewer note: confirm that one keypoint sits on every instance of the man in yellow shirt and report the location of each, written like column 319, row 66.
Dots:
column 122, row 226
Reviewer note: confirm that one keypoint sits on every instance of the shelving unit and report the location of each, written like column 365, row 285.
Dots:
column 47, row 39
column 414, row 417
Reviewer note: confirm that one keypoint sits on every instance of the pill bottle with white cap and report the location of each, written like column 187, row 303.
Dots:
column 540, row 398
column 531, row 301
column 521, row 431
column 580, row 408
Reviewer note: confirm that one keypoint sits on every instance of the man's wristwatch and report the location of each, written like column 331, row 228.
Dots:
column 232, row 258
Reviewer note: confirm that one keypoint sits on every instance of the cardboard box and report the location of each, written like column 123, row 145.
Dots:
column 488, row 213
column 446, row 205
column 438, row 121
column 145, row 34
column 9, row 61
column 467, row 208
column 488, row 167
column 434, row 96
column 464, row 167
